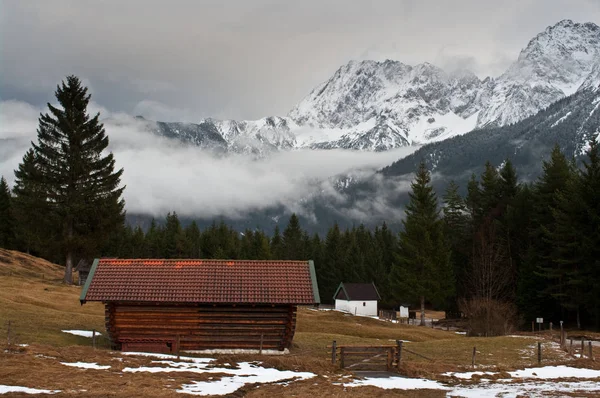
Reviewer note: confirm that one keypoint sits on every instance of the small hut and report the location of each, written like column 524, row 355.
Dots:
column 172, row 305
column 357, row 298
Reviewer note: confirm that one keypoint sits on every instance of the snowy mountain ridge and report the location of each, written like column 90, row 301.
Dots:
column 377, row 106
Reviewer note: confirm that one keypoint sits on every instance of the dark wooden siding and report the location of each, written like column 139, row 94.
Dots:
column 159, row 328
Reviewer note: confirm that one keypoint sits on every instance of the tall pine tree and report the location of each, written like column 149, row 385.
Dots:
column 457, row 230
column 422, row 269
column 75, row 176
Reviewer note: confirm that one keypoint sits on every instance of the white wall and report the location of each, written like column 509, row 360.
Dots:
column 357, row 307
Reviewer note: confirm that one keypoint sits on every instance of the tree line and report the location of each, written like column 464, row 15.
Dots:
column 502, row 254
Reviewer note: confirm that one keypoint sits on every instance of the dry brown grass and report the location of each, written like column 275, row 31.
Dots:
column 40, row 306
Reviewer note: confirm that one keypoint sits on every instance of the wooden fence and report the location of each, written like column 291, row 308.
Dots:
column 367, row 357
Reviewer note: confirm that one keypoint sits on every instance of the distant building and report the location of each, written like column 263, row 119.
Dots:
column 357, row 298
column 159, row 305
column 83, row 270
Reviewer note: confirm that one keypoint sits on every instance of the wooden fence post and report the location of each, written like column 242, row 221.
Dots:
column 333, row 352
column 539, row 352
column 261, row 343
column 473, row 358
column 342, row 351
column 398, row 353
column 94, row 338
column 591, row 350
column 8, row 334
column 550, row 327
column 571, row 347
column 532, row 327
column 582, row 348
column 563, row 342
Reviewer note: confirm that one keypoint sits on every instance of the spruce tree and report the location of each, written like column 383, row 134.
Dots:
column 422, row 268
column 277, row 244
column 457, row 231
column 34, row 220
column 590, row 231
column 576, row 239
column 7, row 223
column 546, row 276
column 75, row 177
column 331, row 269
column 292, row 242
column 175, row 243
column 193, row 241
column 260, row 246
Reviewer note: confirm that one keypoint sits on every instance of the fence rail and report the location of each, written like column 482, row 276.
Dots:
column 367, row 357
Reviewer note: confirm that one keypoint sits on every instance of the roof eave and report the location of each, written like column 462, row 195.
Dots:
column 88, row 281
column 315, row 285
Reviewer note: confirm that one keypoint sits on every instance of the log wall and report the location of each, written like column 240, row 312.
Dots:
column 169, row 328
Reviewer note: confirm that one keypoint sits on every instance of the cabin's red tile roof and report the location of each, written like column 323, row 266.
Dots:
column 202, row 281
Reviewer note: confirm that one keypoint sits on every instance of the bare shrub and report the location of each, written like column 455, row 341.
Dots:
column 489, row 317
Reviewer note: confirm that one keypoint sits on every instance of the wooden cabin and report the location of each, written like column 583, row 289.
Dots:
column 172, row 305
column 357, row 298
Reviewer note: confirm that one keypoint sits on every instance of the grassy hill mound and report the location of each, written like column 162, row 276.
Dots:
column 39, row 306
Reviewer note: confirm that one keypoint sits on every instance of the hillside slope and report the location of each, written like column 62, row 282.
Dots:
column 39, row 305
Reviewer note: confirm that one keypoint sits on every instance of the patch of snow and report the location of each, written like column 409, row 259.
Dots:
column 562, row 119
column 86, row 365
column 244, row 373
column 228, row 385
column 466, row 375
column 238, row 351
column 45, row 356
column 82, row 333
column 26, row 390
column 401, row 383
column 523, row 337
column 556, row 372
column 481, row 390
column 460, row 332
column 513, row 390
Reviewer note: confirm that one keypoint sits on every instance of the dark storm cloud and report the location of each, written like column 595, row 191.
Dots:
column 184, row 60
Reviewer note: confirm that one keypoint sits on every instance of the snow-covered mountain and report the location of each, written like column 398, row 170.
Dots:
column 376, row 106
column 553, row 65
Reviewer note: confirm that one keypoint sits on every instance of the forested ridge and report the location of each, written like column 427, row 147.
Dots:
column 508, row 250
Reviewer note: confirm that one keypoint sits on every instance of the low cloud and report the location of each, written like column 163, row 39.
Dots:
column 164, row 175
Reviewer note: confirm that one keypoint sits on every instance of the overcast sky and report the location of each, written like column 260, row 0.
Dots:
column 185, row 60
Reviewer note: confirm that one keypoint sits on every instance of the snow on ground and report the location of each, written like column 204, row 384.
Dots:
column 86, row 365
column 82, row 333
column 466, row 375
column 13, row 389
column 238, row 351
column 530, row 389
column 244, row 373
column 557, row 372
column 501, row 388
column 545, row 372
column 401, row 383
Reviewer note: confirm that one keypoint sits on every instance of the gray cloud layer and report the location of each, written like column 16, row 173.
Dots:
column 162, row 175
column 184, row 60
